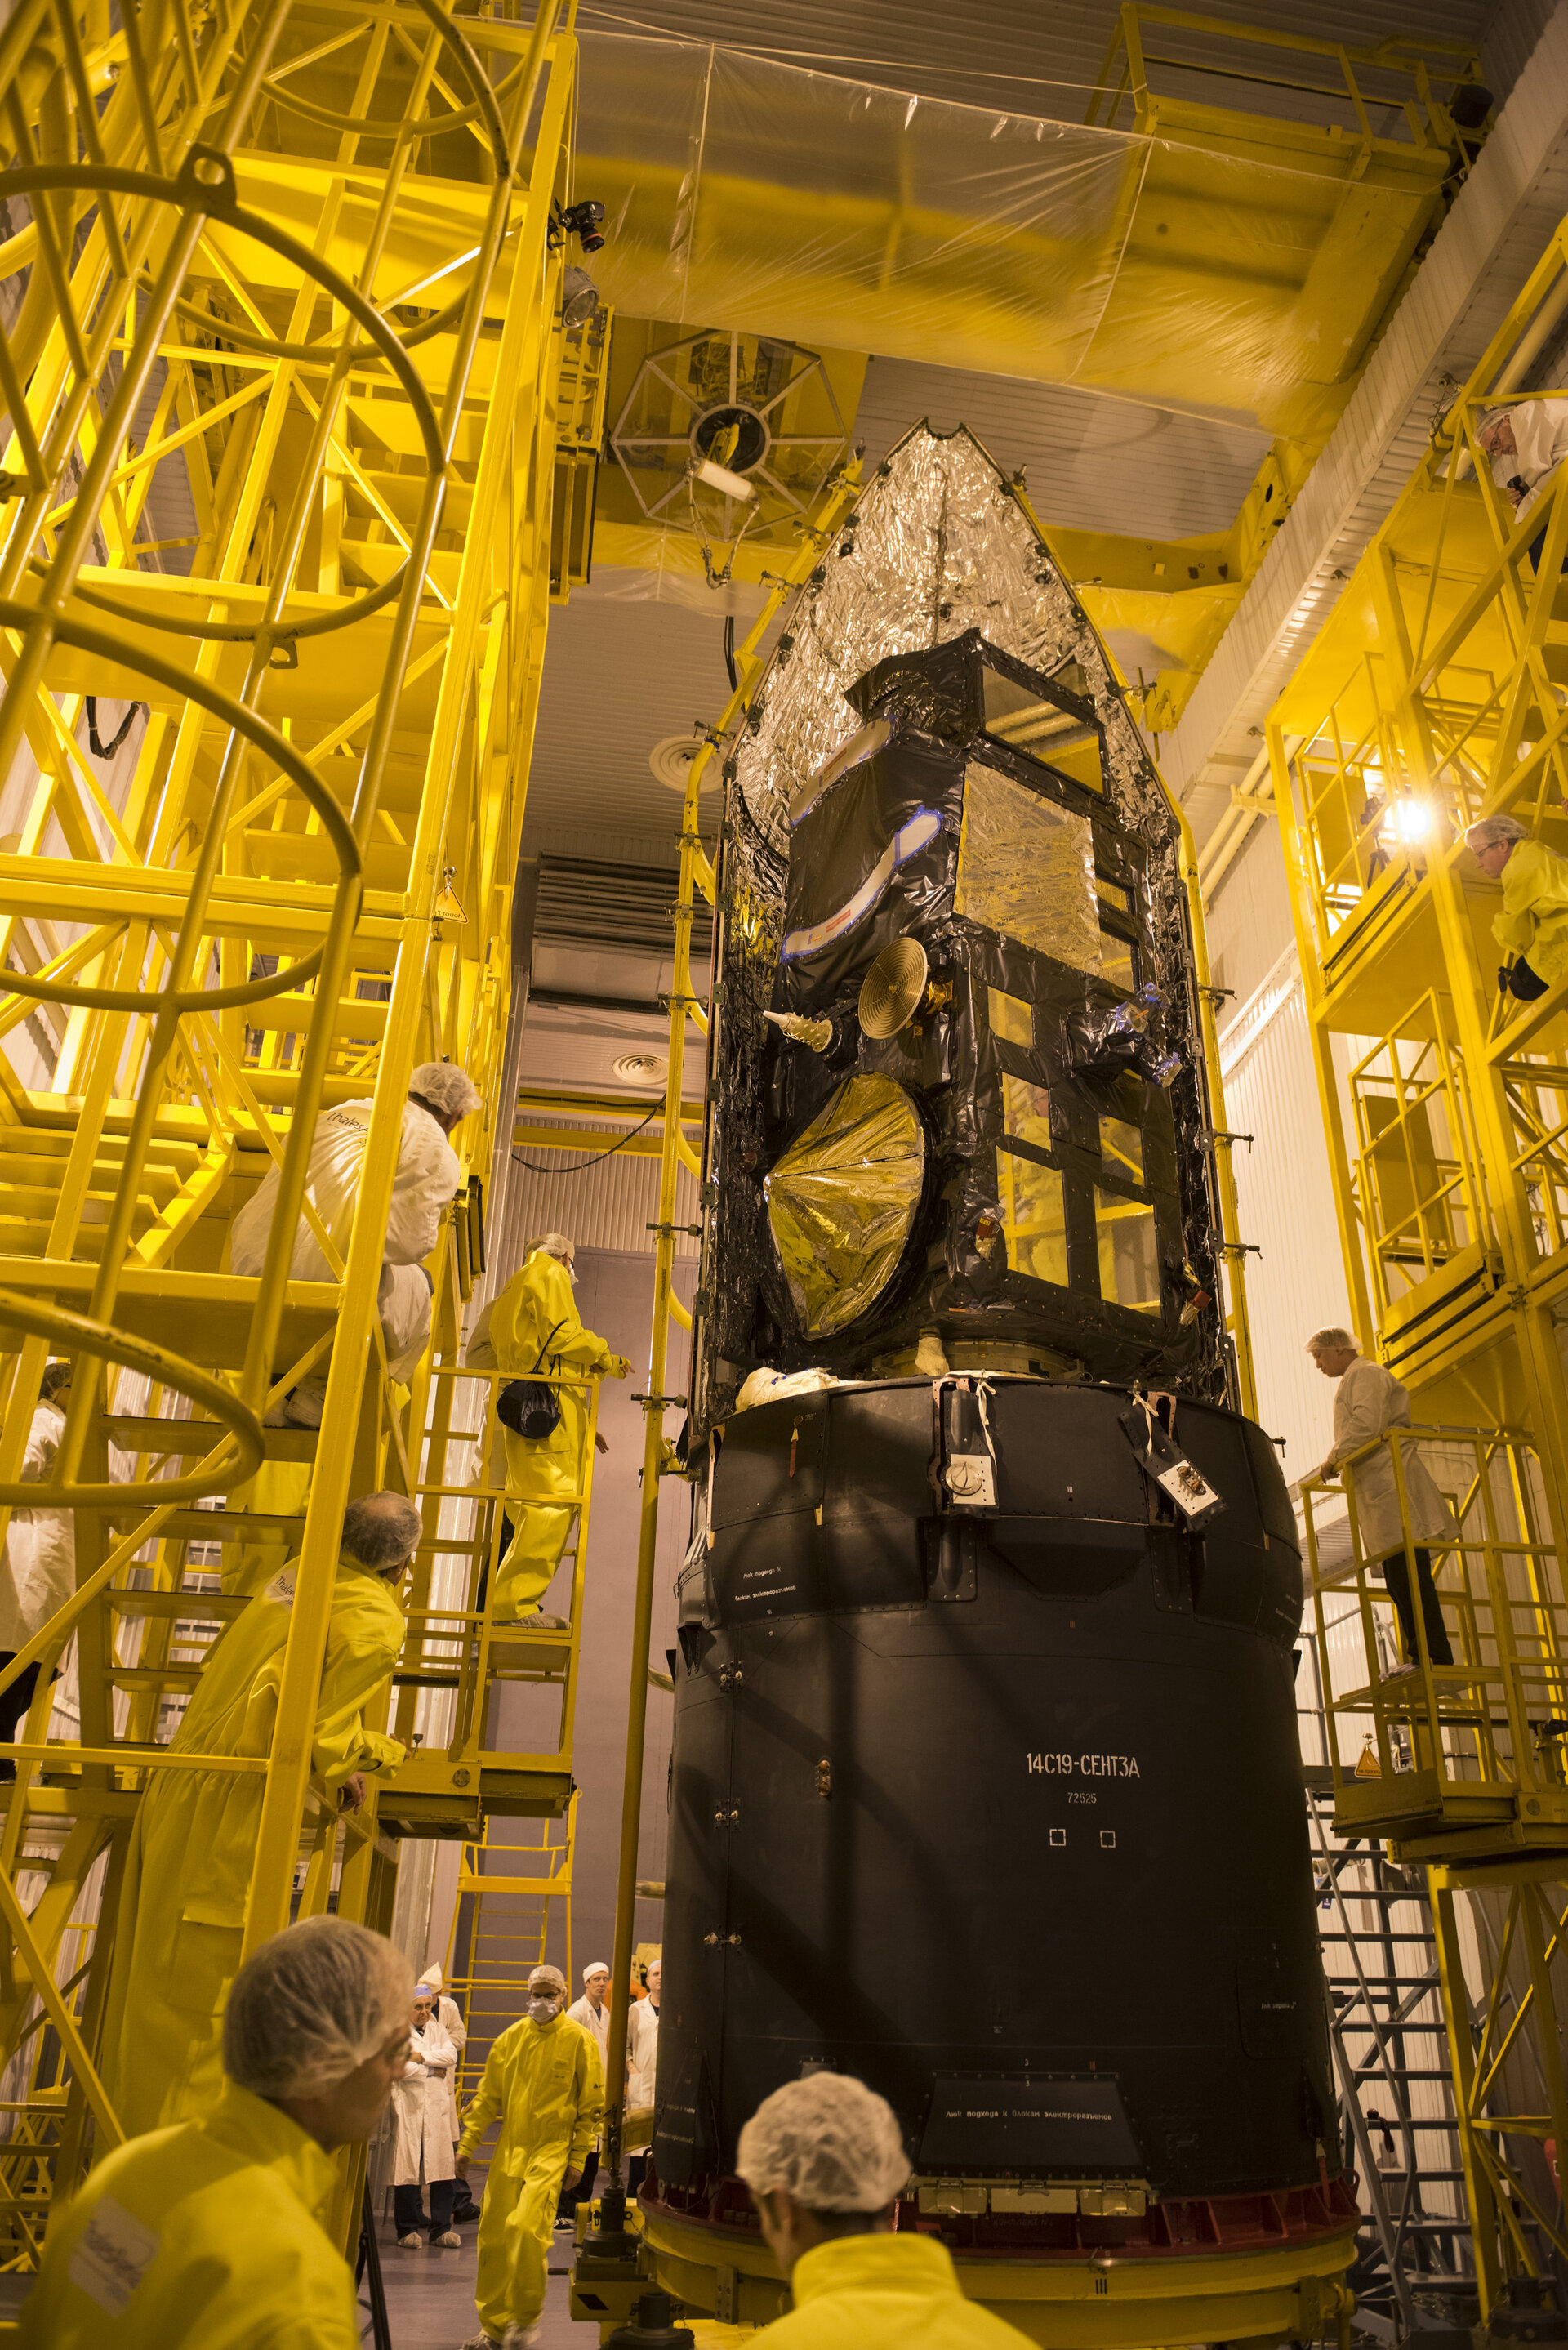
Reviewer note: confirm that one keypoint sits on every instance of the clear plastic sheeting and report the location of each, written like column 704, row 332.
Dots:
column 1239, row 280
column 1026, row 867
column 842, row 1201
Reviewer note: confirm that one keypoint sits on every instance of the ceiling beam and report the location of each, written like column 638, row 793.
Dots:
column 1493, row 238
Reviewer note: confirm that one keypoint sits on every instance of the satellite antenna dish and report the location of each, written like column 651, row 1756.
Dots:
column 891, row 990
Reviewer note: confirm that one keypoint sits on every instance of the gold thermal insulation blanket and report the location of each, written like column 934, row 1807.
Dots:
column 843, row 1200
column 1026, row 867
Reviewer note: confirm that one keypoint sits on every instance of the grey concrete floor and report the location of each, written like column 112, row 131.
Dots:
column 430, row 2295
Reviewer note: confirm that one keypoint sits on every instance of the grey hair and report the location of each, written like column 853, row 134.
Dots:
column 556, row 1244
column 446, row 1087
column 381, row 1530
column 1333, row 1336
column 1492, row 831
column 312, row 2005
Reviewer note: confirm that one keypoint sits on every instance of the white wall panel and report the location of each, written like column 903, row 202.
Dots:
column 608, row 1205
column 1285, row 1205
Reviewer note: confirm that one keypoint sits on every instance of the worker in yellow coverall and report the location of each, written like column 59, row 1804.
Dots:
column 543, row 2082
column 533, row 1325
column 188, row 1871
column 210, row 2235
column 1533, row 923
column 826, row 2163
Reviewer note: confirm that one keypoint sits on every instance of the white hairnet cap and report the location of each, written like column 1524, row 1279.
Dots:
column 445, row 1087
column 556, row 1243
column 549, row 1978
column 831, row 2141
column 312, row 2005
column 598, row 1967
column 432, row 1975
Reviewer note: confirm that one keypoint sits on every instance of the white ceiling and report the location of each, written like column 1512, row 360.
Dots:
column 1091, row 463
column 627, row 665
column 618, row 677
column 571, row 1048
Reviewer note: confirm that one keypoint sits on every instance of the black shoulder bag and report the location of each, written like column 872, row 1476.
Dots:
column 531, row 1408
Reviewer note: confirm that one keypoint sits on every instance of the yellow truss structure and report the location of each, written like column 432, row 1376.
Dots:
column 1436, row 694
column 287, row 266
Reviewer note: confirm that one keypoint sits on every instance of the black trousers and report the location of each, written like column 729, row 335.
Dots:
column 1520, row 981
column 508, row 1530
column 411, row 2211
column 13, row 1704
column 1396, row 1575
column 582, row 2192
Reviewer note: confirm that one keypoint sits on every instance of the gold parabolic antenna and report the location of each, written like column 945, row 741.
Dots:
column 842, row 1201
column 891, row 991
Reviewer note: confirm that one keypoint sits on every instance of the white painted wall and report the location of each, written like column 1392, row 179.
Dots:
column 1285, row 1205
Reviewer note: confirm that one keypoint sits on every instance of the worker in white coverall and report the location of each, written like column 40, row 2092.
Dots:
column 422, row 2146
column 545, row 2084
column 1524, row 445
column 1367, row 1400
column 193, row 1848
column 39, row 1563
column 532, row 1327
column 210, row 2237
column 428, row 1174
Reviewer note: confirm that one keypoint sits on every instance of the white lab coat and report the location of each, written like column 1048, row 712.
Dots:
column 456, row 2031
column 422, row 2107
column 642, row 2053
column 40, row 1572
column 596, row 2020
column 1367, row 1400
column 1540, row 440
column 429, row 1172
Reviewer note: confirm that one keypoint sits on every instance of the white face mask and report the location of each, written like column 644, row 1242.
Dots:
column 540, row 2010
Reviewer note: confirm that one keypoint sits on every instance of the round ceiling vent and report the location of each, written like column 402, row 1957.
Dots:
column 671, row 762
column 640, row 1069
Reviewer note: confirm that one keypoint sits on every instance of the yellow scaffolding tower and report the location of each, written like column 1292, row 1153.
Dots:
column 1437, row 692
column 517, row 1883
column 287, row 273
